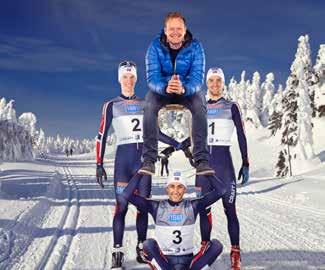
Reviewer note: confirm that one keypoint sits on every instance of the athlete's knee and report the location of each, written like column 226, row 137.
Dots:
column 121, row 207
column 149, row 247
column 152, row 104
column 216, row 247
column 230, row 211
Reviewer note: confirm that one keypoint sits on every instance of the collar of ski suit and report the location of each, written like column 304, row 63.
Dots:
column 174, row 203
column 129, row 98
column 211, row 101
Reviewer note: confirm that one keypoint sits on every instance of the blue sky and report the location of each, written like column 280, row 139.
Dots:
column 58, row 58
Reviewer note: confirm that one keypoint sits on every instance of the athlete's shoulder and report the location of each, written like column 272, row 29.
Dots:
column 235, row 108
column 111, row 101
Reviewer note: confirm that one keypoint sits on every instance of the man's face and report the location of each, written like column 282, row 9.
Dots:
column 128, row 81
column 175, row 192
column 175, row 30
column 215, row 85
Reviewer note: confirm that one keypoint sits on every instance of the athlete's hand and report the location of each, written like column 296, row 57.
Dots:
column 100, row 174
column 244, row 174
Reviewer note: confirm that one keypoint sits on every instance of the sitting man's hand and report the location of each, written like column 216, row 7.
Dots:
column 175, row 86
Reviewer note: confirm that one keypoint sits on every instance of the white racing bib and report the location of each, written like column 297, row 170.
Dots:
column 220, row 131
column 175, row 240
column 128, row 128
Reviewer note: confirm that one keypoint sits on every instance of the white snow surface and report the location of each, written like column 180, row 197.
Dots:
column 53, row 215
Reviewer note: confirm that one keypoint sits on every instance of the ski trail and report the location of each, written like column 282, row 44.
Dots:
column 94, row 227
column 58, row 249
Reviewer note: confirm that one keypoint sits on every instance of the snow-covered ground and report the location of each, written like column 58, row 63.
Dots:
column 53, row 215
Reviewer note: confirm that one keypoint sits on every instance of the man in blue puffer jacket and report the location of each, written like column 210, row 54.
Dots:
column 175, row 66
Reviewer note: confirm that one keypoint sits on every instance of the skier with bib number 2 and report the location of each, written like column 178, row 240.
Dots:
column 123, row 115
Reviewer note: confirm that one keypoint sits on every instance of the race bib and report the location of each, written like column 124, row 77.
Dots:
column 220, row 131
column 175, row 240
column 128, row 129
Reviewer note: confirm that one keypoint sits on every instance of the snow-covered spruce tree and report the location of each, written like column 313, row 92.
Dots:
column 15, row 140
column 28, row 121
column 241, row 94
column 303, row 61
column 3, row 104
column 232, row 89
column 226, row 93
column 304, row 119
column 10, row 113
column 268, row 90
column 253, row 103
column 275, row 111
column 320, row 86
column 282, row 168
column 290, row 113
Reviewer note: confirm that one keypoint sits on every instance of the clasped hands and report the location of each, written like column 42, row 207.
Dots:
column 175, row 86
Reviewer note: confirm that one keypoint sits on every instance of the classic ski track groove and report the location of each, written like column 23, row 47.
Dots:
column 59, row 244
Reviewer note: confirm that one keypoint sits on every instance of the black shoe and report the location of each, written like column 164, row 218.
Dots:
column 148, row 168
column 117, row 260
column 140, row 256
column 203, row 168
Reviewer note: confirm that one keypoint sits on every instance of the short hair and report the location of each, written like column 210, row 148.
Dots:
column 174, row 15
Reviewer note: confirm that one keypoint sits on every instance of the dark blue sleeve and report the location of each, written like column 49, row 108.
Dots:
column 156, row 81
column 195, row 78
column 143, row 204
column 168, row 140
column 241, row 136
column 219, row 189
column 105, row 123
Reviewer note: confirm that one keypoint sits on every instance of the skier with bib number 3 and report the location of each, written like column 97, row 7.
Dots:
column 175, row 224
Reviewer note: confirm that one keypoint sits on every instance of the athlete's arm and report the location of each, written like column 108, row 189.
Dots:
column 211, row 197
column 241, row 136
column 143, row 204
column 105, row 123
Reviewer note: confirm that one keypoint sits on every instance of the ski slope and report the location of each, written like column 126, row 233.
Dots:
column 53, row 215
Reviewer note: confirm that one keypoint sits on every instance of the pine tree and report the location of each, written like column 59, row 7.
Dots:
column 305, row 135
column 232, row 89
column 281, row 166
column 320, row 86
column 303, row 61
column 275, row 110
column 253, row 100
column 290, row 107
column 268, row 90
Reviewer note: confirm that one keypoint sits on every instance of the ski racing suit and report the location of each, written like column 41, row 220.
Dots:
column 174, row 228
column 223, row 116
column 124, row 116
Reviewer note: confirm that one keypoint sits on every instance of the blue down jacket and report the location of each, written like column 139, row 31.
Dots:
column 189, row 65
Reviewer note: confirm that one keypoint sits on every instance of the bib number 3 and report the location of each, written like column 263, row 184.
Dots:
column 178, row 237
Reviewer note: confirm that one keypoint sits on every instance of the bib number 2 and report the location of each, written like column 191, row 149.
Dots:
column 137, row 124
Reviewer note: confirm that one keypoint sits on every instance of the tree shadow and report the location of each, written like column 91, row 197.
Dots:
column 276, row 260
column 269, row 189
